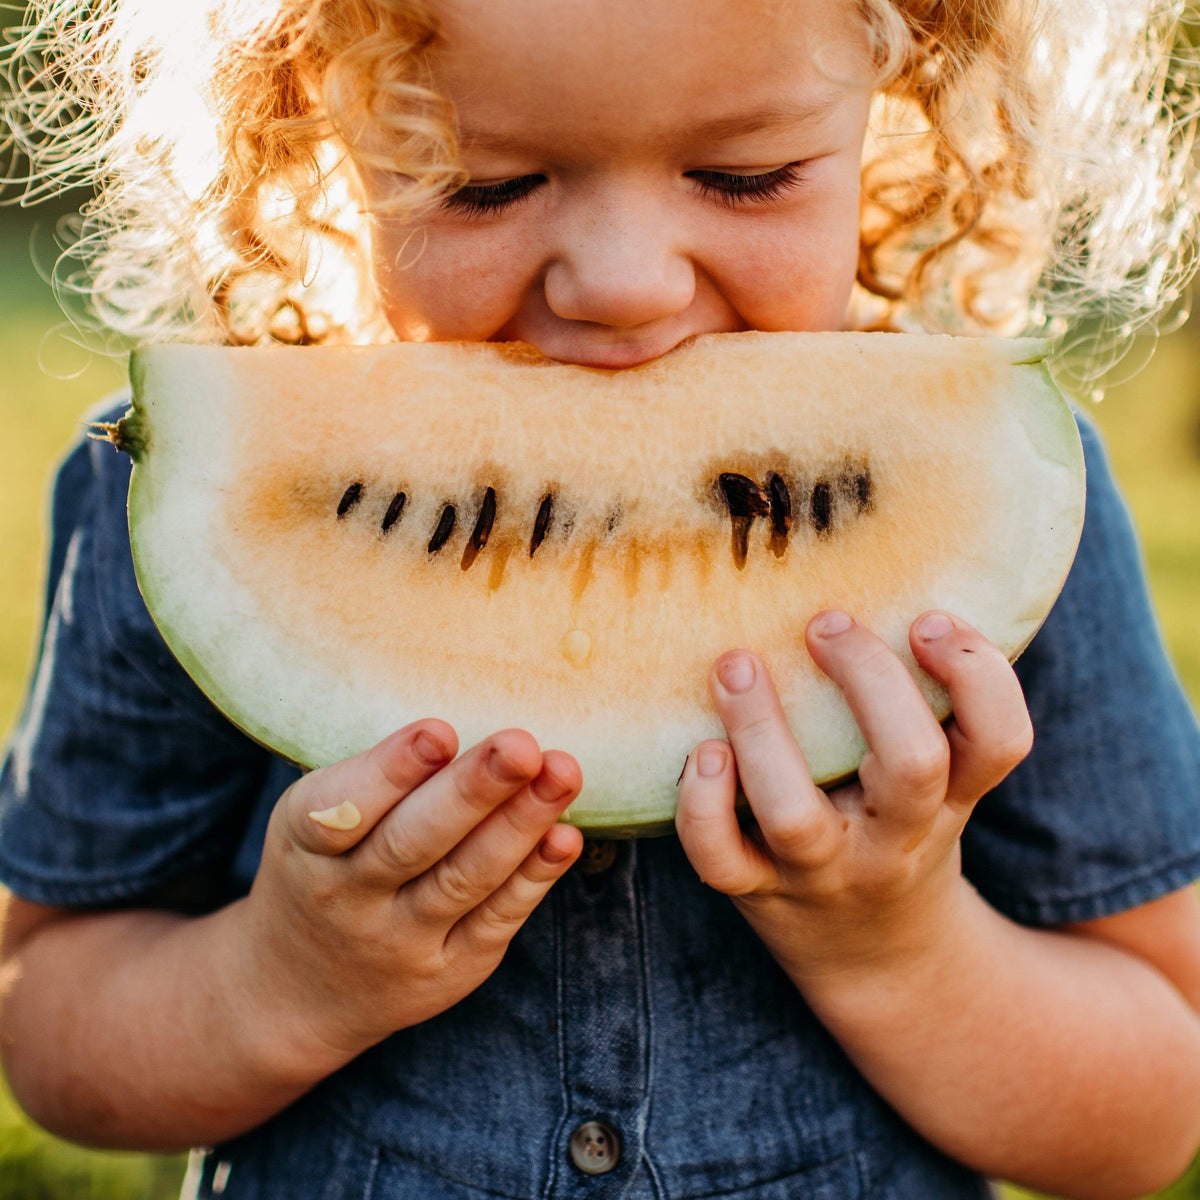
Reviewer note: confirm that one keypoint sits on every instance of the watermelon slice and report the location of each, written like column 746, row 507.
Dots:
column 337, row 541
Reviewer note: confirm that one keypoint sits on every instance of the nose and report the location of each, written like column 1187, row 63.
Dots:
column 619, row 265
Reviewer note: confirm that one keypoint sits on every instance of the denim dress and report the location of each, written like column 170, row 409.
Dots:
column 637, row 1040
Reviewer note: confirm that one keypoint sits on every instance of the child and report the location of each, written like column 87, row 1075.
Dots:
column 399, row 976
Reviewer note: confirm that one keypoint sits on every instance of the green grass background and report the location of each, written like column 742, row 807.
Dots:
column 46, row 382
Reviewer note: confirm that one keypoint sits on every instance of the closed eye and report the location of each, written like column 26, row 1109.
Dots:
column 478, row 199
column 730, row 189
column 735, row 191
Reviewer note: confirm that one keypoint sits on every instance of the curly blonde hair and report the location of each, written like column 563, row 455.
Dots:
column 1028, row 166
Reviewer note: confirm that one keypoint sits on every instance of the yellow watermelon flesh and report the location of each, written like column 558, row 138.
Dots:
column 338, row 541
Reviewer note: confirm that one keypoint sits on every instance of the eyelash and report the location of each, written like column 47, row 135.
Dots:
column 733, row 191
column 479, row 199
column 736, row 190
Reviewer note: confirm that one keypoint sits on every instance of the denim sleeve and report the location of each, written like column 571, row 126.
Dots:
column 1105, row 812
column 120, row 778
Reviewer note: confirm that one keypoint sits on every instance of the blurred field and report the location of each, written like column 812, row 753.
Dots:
column 1152, row 424
column 40, row 415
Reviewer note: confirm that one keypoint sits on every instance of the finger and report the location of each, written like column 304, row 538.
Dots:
column 491, row 925
column 494, row 849
column 331, row 810
column 796, row 819
column 991, row 731
column 905, row 771
column 436, row 816
column 706, row 821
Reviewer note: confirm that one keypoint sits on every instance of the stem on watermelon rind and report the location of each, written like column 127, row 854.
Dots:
column 128, row 434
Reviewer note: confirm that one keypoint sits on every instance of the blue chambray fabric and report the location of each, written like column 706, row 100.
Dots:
column 636, row 996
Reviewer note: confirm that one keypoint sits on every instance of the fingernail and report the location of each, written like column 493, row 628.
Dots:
column 934, row 626
column 503, row 768
column 340, row 816
column 737, row 673
column 430, row 751
column 831, row 623
column 548, row 789
column 551, row 853
column 710, row 762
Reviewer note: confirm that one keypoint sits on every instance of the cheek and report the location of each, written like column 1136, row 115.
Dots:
column 438, row 285
column 796, row 277
column 795, row 269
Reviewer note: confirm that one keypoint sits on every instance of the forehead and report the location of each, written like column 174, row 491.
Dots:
column 595, row 68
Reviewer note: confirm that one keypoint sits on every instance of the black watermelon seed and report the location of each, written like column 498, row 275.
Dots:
column 856, row 486
column 393, row 511
column 541, row 523
column 863, row 497
column 350, row 497
column 445, row 527
column 482, row 530
column 822, row 507
column 781, row 505
column 745, row 501
column 743, row 496
column 781, row 514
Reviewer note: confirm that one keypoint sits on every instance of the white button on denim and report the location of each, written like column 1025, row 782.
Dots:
column 595, row 1147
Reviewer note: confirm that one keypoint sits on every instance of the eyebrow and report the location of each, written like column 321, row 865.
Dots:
column 772, row 117
column 775, row 116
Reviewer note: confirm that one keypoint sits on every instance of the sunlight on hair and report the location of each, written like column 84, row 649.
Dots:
column 1028, row 167
column 1031, row 171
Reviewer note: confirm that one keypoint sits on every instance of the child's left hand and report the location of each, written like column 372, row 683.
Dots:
column 867, row 875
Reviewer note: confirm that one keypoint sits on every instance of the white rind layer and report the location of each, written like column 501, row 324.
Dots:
column 971, row 438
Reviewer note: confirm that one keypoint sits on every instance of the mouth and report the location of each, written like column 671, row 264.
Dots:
column 617, row 356
column 613, row 348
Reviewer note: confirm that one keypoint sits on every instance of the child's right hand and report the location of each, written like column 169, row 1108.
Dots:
column 357, row 932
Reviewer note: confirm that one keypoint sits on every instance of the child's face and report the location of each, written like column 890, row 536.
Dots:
column 641, row 171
